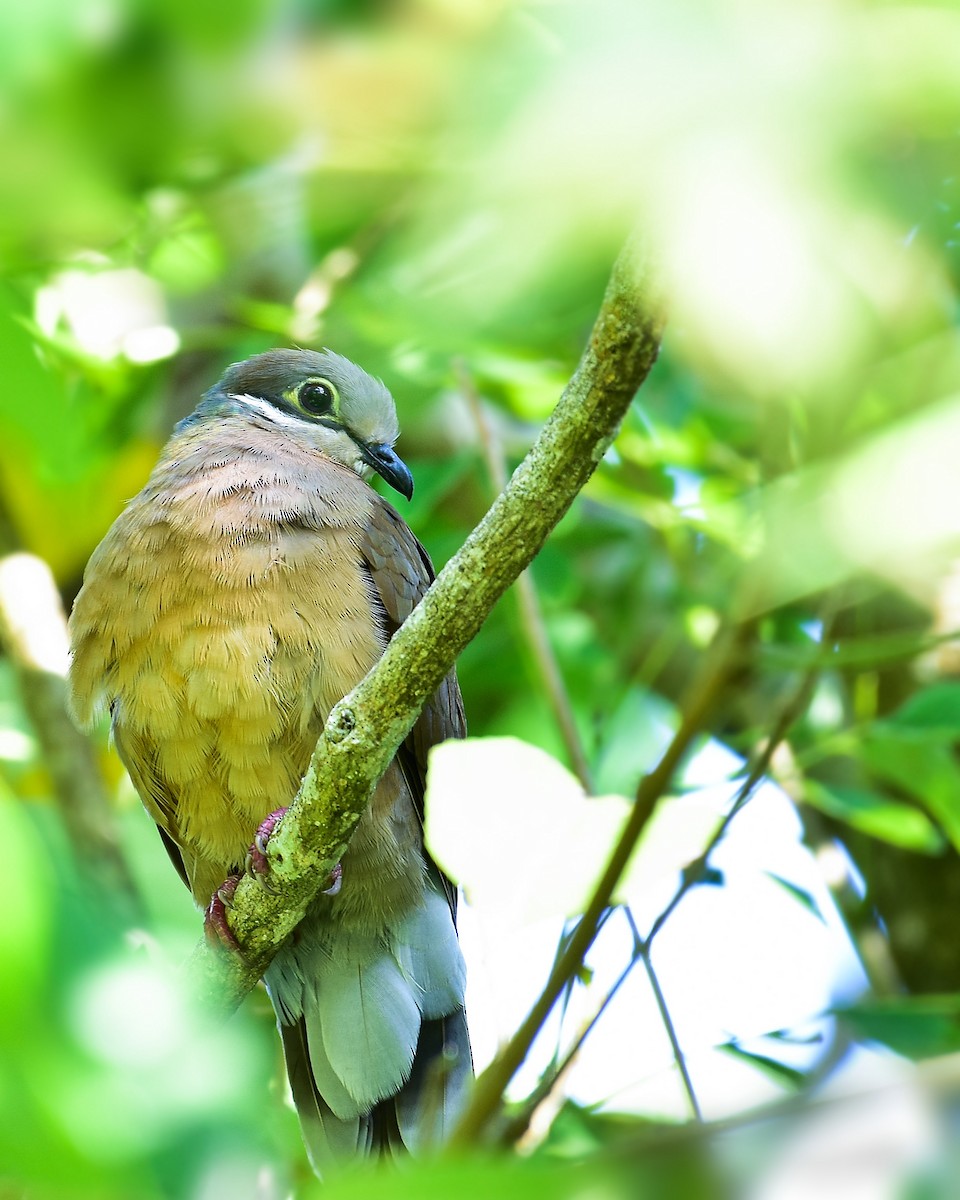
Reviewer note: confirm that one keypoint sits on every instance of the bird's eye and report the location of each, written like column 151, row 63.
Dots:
column 317, row 397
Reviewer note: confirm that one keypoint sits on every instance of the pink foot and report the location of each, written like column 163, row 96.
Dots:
column 216, row 928
column 258, row 865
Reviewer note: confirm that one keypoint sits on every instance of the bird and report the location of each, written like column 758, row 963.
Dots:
column 246, row 589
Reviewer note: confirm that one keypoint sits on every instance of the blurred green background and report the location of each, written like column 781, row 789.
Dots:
column 437, row 189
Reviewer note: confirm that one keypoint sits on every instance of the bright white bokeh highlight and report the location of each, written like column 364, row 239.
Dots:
column 35, row 624
column 130, row 1015
column 153, row 1060
column 108, row 313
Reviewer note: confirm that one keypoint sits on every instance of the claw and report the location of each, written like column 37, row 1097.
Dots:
column 257, row 864
column 216, row 927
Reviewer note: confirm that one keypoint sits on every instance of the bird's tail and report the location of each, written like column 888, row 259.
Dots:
column 422, row 1114
column 374, row 1034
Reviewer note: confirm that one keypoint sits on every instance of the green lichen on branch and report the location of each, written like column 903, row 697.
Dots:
column 365, row 729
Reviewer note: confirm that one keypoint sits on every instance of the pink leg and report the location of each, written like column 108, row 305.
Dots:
column 216, row 928
column 258, row 865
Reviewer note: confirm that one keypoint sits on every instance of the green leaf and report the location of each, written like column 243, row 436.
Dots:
column 871, row 813
column 706, row 877
column 799, row 894
column 924, row 768
column 935, row 710
column 790, row 1038
column 634, row 739
column 787, row 1076
column 914, row 1026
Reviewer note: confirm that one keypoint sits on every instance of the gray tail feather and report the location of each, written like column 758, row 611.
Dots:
column 422, row 1114
column 429, row 1103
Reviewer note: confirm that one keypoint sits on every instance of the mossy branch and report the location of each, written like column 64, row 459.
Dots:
column 365, row 729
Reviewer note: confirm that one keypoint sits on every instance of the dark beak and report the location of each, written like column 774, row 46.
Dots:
column 389, row 466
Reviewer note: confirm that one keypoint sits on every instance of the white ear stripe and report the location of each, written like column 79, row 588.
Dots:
column 268, row 410
column 335, row 443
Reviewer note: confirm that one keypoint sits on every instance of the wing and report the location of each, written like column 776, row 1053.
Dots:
column 399, row 571
column 157, row 798
column 429, row 1099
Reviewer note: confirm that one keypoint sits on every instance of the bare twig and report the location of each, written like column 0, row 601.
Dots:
column 668, row 1025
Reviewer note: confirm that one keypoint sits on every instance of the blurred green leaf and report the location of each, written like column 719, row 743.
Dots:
column 876, row 815
column 934, row 711
column 25, row 931
column 922, row 766
column 915, row 1026
column 635, row 736
column 480, row 1179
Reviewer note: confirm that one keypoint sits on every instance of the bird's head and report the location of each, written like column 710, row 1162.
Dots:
column 323, row 400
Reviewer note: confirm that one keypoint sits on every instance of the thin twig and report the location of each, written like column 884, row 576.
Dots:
column 488, row 1090
column 562, row 942
column 641, row 950
column 518, row 1124
column 790, row 711
column 531, row 614
column 668, row 1025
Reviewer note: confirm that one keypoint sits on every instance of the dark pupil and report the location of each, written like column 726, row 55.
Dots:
column 316, row 398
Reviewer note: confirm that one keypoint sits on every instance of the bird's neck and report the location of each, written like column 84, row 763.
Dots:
column 239, row 476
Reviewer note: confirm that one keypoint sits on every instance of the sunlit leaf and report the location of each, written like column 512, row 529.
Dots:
column 516, row 829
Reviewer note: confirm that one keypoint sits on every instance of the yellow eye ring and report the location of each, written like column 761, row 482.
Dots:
column 318, row 397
